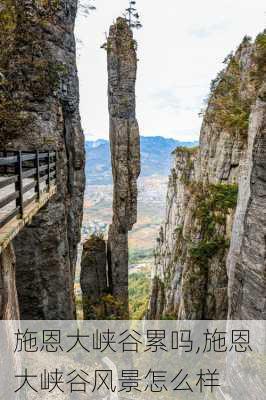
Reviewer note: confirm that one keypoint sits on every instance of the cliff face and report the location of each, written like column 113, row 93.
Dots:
column 209, row 258
column 8, row 294
column 39, row 110
column 93, row 278
column 125, row 151
column 246, row 260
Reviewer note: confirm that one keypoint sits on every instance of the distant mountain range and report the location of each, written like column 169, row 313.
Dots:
column 155, row 158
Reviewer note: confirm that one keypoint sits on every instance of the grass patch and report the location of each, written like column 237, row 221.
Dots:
column 139, row 290
column 214, row 203
column 138, row 255
column 186, row 150
column 259, row 73
column 206, row 249
column 227, row 108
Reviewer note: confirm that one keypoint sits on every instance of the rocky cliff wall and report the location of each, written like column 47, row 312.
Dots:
column 209, row 259
column 8, row 294
column 246, row 260
column 93, row 277
column 40, row 110
column 125, row 152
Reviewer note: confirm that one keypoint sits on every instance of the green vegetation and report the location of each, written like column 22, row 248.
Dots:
column 10, row 107
column 95, row 236
column 260, row 60
column 126, row 42
column 138, row 255
column 105, row 307
column 206, row 249
column 260, row 43
column 227, row 108
column 139, row 290
column 186, row 150
column 47, row 76
column 214, row 203
column 168, row 317
column 189, row 152
column 8, row 21
column 132, row 16
column 33, row 72
column 94, row 241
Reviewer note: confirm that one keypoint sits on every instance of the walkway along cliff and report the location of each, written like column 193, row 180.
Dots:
column 125, row 155
column 39, row 110
column 210, row 253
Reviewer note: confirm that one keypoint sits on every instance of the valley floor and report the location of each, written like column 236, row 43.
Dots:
column 151, row 206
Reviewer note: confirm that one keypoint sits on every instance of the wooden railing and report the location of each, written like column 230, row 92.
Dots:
column 24, row 177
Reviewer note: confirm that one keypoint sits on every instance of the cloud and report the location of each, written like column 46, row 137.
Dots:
column 166, row 99
column 204, row 32
column 179, row 52
column 178, row 99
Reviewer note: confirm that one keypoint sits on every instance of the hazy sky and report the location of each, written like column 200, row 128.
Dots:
column 181, row 48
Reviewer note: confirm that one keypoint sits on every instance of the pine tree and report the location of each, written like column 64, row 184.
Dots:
column 132, row 16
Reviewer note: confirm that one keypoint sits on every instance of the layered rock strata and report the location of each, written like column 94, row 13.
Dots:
column 40, row 110
column 93, row 278
column 125, row 152
column 209, row 258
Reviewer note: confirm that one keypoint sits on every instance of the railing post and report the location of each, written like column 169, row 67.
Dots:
column 19, row 183
column 37, row 164
column 48, row 171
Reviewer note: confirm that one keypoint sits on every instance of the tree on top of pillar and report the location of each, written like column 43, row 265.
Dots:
column 132, row 16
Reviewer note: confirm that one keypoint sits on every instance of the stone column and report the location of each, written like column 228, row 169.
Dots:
column 93, row 277
column 125, row 153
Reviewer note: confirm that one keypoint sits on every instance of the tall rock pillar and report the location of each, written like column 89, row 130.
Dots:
column 125, row 153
